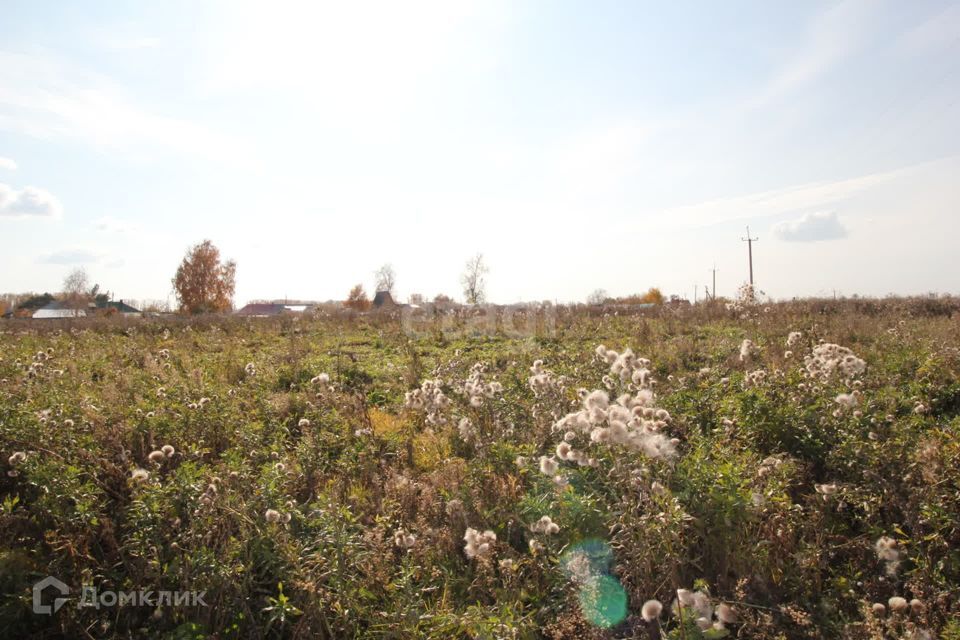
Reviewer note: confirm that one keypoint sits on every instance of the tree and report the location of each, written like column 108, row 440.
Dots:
column 442, row 299
column 386, row 278
column 203, row 284
column 34, row 302
column 357, row 299
column 474, row 286
column 599, row 296
column 100, row 299
column 76, row 290
column 653, row 295
column 416, row 298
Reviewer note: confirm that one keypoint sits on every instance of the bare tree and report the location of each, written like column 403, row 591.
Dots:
column 474, row 285
column 599, row 296
column 386, row 278
column 76, row 290
column 203, row 284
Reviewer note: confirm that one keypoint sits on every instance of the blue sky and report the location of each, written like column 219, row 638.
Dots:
column 578, row 145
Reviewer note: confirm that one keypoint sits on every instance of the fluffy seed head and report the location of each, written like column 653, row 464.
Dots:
column 548, row 466
column 651, row 610
column 898, row 604
column 726, row 614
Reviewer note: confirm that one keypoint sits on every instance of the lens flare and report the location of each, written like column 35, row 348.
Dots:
column 603, row 601
column 595, row 553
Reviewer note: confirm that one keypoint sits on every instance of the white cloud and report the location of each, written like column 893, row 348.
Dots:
column 70, row 256
column 43, row 96
column 812, row 227
column 936, row 33
column 28, row 202
column 7, row 163
column 778, row 201
column 833, row 35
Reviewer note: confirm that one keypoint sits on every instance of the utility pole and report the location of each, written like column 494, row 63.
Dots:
column 713, row 291
column 694, row 294
column 750, row 242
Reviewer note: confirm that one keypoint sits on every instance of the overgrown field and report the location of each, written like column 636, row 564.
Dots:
column 341, row 478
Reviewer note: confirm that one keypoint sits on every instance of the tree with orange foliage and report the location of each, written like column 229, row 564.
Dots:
column 357, row 300
column 203, row 284
column 653, row 295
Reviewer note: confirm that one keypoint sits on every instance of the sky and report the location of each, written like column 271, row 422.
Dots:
column 576, row 145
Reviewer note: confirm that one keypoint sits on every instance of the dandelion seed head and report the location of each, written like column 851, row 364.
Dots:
column 403, row 539
column 826, row 489
column 548, row 466
column 478, row 544
column 651, row 610
column 897, row 604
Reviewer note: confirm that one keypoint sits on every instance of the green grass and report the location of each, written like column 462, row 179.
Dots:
column 793, row 563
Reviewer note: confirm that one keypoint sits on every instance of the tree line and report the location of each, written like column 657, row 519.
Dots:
column 205, row 284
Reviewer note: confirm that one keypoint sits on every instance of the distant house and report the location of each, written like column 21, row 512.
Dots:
column 57, row 309
column 268, row 309
column 261, row 310
column 120, row 307
column 60, row 309
column 628, row 308
column 383, row 300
